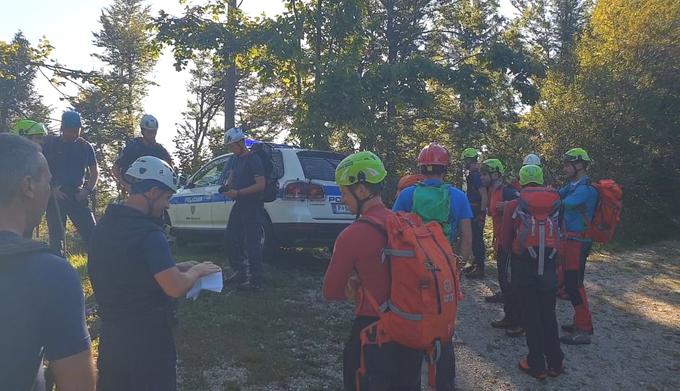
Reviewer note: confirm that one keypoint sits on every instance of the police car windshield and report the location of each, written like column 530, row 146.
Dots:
column 319, row 165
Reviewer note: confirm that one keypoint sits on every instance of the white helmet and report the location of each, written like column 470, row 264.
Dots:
column 532, row 159
column 233, row 135
column 148, row 122
column 152, row 168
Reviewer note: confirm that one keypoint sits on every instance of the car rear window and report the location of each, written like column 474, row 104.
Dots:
column 319, row 165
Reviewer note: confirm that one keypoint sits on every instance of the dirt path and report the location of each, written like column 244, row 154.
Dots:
column 635, row 301
column 634, row 297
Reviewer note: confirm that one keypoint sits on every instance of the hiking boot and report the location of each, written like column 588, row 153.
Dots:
column 515, row 331
column 250, row 286
column 502, row 324
column 577, row 337
column 495, row 298
column 524, row 366
column 476, row 274
column 555, row 372
column 236, row 278
column 570, row 328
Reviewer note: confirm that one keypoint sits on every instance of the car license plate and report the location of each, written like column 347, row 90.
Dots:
column 340, row 209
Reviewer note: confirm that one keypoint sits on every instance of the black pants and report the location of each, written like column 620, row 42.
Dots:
column 137, row 355
column 446, row 369
column 244, row 236
column 80, row 214
column 511, row 305
column 478, row 246
column 390, row 367
column 537, row 297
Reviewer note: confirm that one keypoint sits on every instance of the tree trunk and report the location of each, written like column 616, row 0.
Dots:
column 230, row 81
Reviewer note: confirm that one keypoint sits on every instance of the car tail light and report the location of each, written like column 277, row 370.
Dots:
column 295, row 191
column 303, row 191
column 315, row 192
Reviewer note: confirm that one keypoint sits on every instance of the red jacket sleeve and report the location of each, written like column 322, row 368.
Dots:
column 340, row 267
column 508, row 226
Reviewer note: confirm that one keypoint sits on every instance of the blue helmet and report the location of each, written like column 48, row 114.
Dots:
column 71, row 120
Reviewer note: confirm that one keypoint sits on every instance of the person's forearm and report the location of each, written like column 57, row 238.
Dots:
column 466, row 239
column 256, row 188
column 75, row 373
column 188, row 280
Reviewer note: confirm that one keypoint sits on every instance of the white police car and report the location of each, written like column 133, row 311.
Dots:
column 308, row 210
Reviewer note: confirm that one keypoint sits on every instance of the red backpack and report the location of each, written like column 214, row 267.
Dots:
column 409, row 180
column 537, row 222
column 420, row 312
column 607, row 211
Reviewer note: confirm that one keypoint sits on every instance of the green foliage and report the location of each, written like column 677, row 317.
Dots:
column 110, row 102
column 194, row 133
column 623, row 107
column 19, row 62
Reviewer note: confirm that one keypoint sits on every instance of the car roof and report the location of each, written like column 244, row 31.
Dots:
column 291, row 148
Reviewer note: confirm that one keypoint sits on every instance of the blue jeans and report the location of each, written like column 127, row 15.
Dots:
column 244, row 236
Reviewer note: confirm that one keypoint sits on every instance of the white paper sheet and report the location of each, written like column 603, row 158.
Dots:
column 211, row 282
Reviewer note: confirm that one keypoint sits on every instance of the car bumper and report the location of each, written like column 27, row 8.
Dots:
column 307, row 234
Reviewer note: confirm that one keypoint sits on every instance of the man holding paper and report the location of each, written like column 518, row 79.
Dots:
column 134, row 279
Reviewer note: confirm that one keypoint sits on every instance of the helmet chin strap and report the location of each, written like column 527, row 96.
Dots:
column 150, row 203
column 360, row 202
column 577, row 170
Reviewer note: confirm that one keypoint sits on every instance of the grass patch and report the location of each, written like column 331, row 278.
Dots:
column 287, row 335
column 284, row 333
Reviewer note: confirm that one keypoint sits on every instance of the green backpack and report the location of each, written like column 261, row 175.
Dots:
column 433, row 204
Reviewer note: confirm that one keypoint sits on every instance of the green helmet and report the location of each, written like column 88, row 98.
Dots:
column 492, row 165
column 576, row 154
column 469, row 153
column 27, row 127
column 360, row 167
column 530, row 173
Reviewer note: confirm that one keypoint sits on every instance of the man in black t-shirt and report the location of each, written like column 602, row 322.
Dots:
column 134, row 279
column 140, row 146
column 245, row 184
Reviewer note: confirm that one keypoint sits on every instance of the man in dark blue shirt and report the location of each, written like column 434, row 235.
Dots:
column 477, row 195
column 42, row 302
column 70, row 158
column 245, row 184
column 140, row 146
column 134, row 279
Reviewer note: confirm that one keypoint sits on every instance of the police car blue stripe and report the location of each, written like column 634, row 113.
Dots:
column 218, row 197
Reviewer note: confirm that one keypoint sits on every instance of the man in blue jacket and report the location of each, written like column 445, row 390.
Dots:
column 579, row 199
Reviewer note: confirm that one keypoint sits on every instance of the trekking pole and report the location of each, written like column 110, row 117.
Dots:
column 93, row 201
column 62, row 223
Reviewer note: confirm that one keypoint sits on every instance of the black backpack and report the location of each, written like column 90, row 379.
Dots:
column 266, row 153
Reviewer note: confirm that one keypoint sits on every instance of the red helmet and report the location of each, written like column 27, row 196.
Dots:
column 433, row 155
